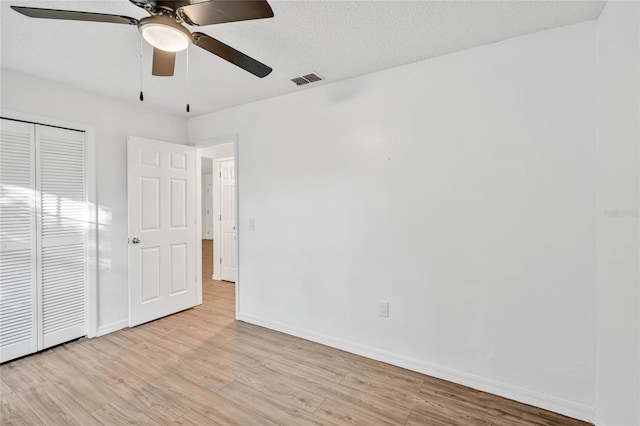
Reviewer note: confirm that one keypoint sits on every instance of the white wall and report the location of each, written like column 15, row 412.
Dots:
column 618, row 328
column 113, row 121
column 460, row 189
column 220, row 150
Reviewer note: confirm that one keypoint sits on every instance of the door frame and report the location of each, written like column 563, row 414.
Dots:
column 205, row 143
column 91, row 290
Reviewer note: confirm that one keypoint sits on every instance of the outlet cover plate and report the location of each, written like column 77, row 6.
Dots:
column 383, row 309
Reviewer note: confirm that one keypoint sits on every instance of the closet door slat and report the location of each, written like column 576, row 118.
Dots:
column 18, row 318
column 60, row 155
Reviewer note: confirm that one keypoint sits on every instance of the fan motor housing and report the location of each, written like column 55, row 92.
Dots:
column 156, row 6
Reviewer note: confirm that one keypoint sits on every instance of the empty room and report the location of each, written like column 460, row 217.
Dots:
column 264, row 212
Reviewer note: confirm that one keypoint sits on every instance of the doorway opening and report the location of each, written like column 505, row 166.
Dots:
column 218, row 215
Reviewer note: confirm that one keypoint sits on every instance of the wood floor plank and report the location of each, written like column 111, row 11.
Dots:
column 211, row 404
column 430, row 418
column 465, row 403
column 108, row 372
column 390, row 374
column 270, row 406
column 393, row 394
column 125, row 338
column 229, row 351
column 162, row 358
column 202, row 376
column 121, row 412
column 279, row 349
column 306, row 367
column 377, row 370
column 343, row 414
column 208, row 263
column 56, row 365
column 438, row 410
column 143, row 368
column 55, row 407
column 4, row 388
column 202, row 367
column 104, row 348
column 24, row 378
column 293, row 392
column 194, row 418
column 182, row 341
column 15, row 412
column 15, row 365
column 548, row 416
column 158, row 403
column 90, row 394
column 360, row 401
column 356, row 364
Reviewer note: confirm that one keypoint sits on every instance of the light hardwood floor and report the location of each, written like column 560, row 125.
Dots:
column 201, row 367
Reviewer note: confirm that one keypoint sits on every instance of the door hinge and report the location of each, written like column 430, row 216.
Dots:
column 221, row 261
column 220, row 217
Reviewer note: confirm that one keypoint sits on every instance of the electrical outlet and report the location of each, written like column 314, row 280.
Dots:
column 252, row 224
column 383, row 309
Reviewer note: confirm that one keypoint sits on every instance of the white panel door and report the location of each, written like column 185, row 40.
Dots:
column 62, row 216
column 162, row 229
column 18, row 301
column 228, row 220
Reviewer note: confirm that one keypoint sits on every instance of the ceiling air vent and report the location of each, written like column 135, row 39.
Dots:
column 299, row 81
column 313, row 77
column 306, row 79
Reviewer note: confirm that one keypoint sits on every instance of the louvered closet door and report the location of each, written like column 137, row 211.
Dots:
column 18, row 320
column 62, row 218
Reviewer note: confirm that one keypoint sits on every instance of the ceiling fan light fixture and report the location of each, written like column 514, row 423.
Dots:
column 165, row 34
column 165, row 31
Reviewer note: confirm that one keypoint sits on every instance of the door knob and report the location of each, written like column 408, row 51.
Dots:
column 135, row 240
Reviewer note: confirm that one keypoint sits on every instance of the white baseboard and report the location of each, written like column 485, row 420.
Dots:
column 110, row 328
column 537, row 399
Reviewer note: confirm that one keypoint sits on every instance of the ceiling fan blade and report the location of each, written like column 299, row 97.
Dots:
column 144, row 4
column 71, row 15
column 230, row 54
column 220, row 11
column 163, row 63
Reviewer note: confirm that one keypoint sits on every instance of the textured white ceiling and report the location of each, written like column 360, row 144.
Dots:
column 337, row 39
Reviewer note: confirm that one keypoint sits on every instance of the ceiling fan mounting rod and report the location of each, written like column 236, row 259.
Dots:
column 165, row 11
column 182, row 17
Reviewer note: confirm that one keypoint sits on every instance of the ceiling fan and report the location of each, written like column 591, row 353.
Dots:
column 165, row 31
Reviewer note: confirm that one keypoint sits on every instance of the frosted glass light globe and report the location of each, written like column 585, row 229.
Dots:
column 165, row 37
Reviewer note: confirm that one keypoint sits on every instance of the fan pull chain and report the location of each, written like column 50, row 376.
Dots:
column 188, row 108
column 141, row 94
